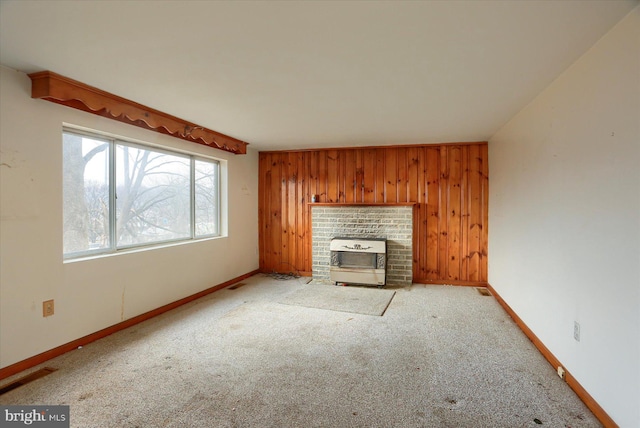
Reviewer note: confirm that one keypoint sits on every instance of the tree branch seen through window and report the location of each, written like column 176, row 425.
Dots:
column 119, row 195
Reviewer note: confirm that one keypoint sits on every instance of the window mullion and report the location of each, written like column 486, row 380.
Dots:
column 193, row 197
column 112, row 195
column 218, row 198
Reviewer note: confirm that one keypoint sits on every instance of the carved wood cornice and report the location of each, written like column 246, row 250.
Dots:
column 53, row 87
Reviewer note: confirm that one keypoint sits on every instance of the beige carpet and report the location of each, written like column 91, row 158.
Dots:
column 357, row 300
column 439, row 357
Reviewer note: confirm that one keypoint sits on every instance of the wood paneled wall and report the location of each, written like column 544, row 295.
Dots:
column 448, row 183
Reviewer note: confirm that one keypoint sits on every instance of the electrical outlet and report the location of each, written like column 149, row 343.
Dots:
column 576, row 331
column 47, row 308
column 561, row 372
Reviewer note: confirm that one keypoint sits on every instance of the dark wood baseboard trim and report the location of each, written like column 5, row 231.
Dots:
column 450, row 282
column 5, row 372
column 573, row 383
column 416, row 281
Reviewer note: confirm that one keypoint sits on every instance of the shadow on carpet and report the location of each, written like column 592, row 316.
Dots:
column 357, row 300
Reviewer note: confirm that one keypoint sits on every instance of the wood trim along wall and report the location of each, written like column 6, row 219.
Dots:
column 53, row 87
column 573, row 383
column 361, row 204
column 62, row 349
column 394, row 146
column 451, row 282
column 447, row 184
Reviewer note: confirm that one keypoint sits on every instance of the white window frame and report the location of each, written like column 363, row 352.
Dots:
column 114, row 141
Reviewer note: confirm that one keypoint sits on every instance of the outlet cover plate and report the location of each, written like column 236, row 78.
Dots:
column 561, row 372
column 47, row 308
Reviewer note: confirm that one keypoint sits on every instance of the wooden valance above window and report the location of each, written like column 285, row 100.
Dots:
column 53, row 87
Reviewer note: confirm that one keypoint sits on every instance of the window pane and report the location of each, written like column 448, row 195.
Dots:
column 207, row 202
column 86, row 193
column 152, row 196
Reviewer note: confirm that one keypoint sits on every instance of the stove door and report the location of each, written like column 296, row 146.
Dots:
column 347, row 259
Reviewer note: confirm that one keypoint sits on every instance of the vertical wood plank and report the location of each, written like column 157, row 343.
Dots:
column 475, row 214
column 369, row 176
column 464, row 213
column 412, row 174
column 276, row 212
column 301, row 226
column 268, row 226
column 284, row 214
column 454, row 223
column 332, row 176
column 403, row 178
column 443, row 218
column 307, row 213
column 349, row 176
column 285, row 191
column 292, row 208
column 313, row 191
column 359, row 189
column 484, row 237
column 379, row 177
column 292, row 211
column 431, row 241
column 313, row 174
column 342, row 175
column 264, row 183
column 422, row 211
column 413, row 190
column 322, row 176
column 390, row 175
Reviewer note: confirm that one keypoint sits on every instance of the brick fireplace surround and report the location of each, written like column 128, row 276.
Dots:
column 395, row 223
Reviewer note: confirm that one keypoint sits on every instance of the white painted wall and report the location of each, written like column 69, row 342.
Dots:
column 94, row 294
column 564, row 212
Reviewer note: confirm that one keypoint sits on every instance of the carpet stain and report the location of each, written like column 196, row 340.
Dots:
column 85, row 396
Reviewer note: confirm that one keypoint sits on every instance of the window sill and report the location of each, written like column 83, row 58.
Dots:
column 140, row 249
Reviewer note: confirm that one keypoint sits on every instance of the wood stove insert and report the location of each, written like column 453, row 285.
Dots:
column 358, row 260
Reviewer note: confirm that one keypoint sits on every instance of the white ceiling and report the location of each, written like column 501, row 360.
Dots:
column 285, row 75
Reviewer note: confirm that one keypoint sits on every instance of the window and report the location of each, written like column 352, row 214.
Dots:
column 122, row 195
